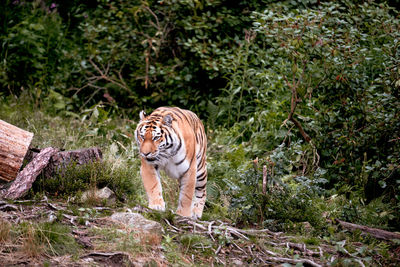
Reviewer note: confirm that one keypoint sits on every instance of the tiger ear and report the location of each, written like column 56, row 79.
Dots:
column 167, row 120
column 142, row 115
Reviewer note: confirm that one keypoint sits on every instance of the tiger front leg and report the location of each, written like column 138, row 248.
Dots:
column 187, row 184
column 152, row 185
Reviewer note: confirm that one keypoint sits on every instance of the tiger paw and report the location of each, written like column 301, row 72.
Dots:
column 184, row 212
column 158, row 206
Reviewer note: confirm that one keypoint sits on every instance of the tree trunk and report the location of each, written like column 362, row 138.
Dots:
column 14, row 143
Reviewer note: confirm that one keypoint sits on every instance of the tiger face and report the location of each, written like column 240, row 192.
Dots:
column 151, row 137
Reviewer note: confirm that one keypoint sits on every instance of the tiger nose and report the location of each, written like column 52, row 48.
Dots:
column 146, row 154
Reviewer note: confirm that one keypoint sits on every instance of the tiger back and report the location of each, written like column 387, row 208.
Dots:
column 173, row 140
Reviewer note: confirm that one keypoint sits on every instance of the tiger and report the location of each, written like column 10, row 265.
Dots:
column 173, row 140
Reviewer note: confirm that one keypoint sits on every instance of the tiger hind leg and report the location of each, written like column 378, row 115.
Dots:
column 200, row 194
column 187, row 185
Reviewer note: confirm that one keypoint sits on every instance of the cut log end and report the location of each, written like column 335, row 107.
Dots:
column 14, row 143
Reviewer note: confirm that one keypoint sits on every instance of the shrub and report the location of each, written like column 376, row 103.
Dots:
column 339, row 63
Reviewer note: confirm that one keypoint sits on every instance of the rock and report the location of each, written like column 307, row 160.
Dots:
column 137, row 222
column 307, row 227
column 52, row 217
column 101, row 194
column 237, row 262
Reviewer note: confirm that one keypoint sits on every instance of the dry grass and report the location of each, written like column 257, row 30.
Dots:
column 31, row 245
column 170, row 191
column 5, row 228
column 149, row 240
column 91, row 198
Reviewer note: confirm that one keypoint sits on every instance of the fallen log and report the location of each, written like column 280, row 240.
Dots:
column 28, row 175
column 375, row 232
column 60, row 161
column 49, row 161
column 14, row 143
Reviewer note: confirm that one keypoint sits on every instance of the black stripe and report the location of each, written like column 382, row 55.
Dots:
column 201, row 164
column 202, row 179
column 190, row 164
column 163, row 155
column 202, row 195
column 178, row 148
column 183, row 114
column 200, row 175
column 168, row 138
column 180, row 162
column 200, row 187
column 168, row 146
column 155, row 116
column 183, row 174
column 174, row 114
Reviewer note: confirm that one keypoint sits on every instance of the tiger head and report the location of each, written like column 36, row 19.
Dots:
column 151, row 136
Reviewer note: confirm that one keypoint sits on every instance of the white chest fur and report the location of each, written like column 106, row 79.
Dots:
column 176, row 171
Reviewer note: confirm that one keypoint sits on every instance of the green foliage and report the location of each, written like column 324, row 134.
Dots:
column 342, row 61
column 280, row 208
column 122, row 181
column 34, row 55
column 57, row 238
column 196, row 242
column 126, row 53
column 51, row 238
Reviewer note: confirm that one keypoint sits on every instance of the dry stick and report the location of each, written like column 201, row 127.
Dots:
column 209, row 230
column 103, row 75
column 264, row 183
column 302, row 248
column 176, row 229
column 260, row 233
column 293, row 103
column 255, row 232
column 288, row 260
column 237, row 233
column 377, row 233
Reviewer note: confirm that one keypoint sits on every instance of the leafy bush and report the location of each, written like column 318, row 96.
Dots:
column 35, row 54
column 339, row 62
column 126, row 53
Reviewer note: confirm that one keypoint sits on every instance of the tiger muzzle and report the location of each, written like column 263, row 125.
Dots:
column 150, row 156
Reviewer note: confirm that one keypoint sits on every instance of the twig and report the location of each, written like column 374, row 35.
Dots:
column 288, row 260
column 173, row 227
column 237, row 233
column 264, row 181
column 218, row 250
column 209, row 230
